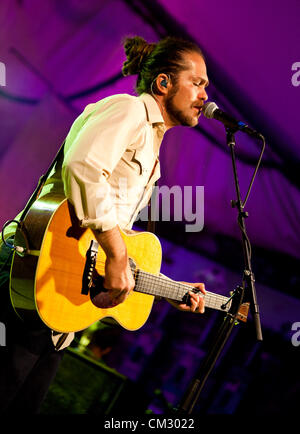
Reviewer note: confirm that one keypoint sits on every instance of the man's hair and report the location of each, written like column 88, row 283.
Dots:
column 150, row 60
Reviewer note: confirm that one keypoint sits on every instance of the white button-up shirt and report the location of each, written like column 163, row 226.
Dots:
column 112, row 160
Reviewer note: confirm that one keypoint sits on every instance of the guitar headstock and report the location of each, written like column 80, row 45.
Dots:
column 243, row 312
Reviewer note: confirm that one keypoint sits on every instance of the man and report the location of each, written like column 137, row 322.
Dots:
column 114, row 141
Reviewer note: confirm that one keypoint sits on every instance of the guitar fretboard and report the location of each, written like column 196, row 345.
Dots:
column 164, row 287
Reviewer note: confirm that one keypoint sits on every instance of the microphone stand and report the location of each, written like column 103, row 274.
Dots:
column 244, row 293
column 248, row 277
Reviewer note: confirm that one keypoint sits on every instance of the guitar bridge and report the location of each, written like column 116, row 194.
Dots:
column 89, row 268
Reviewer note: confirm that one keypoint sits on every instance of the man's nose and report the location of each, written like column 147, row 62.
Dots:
column 203, row 95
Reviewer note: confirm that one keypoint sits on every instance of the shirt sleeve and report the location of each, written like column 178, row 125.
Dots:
column 93, row 154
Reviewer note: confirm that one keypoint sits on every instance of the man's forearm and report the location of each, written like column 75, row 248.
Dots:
column 118, row 278
column 112, row 243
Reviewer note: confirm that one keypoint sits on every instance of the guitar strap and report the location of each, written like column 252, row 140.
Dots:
column 32, row 199
column 41, row 183
column 151, row 223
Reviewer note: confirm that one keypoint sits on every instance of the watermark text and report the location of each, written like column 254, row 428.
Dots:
column 296, row 336
column 2, row 74
column 296, row 75
column 2, row 335
column 176, row 203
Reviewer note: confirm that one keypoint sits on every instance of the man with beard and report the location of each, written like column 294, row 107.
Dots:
column 109, row 166
column 116, row 142
column 171, row 84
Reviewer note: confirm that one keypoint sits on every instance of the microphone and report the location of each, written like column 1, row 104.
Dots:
column 212, row 111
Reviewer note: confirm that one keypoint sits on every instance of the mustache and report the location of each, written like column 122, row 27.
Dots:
column 198, row 105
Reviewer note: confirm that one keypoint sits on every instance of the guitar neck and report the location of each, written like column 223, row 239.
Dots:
column 167, row 288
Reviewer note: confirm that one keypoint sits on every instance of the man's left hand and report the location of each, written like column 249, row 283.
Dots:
column 196, row 302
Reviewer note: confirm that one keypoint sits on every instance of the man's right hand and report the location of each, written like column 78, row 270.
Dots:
column 118, row 278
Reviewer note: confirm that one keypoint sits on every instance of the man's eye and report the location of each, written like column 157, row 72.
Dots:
column 197, row 84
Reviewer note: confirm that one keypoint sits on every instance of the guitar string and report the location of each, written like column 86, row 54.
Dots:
column 212, row 300
column 151, row 280
column 165, row 282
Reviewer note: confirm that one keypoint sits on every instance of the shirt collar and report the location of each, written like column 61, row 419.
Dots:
column 153, row 113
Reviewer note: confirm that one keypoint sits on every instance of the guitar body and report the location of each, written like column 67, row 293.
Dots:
column 46, row 283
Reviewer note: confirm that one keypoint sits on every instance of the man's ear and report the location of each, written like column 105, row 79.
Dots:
column 162, row 82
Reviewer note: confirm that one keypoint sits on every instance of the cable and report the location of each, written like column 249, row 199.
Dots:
column 17, row 249
column 9, row 222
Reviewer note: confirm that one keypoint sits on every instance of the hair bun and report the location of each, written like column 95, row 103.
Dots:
column 136, row 50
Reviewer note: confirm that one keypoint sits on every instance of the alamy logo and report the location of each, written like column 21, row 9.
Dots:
column 181, row 205
column 296, row 336
column 296, row 76
column 2, row 74
column 174, row 203
column 2, row 335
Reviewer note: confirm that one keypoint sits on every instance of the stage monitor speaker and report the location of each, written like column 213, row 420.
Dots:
column 85, row 386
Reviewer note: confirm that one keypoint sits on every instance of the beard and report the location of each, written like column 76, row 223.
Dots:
column 178, row 117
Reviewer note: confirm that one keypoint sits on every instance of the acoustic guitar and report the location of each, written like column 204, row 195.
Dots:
column 57, row 279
